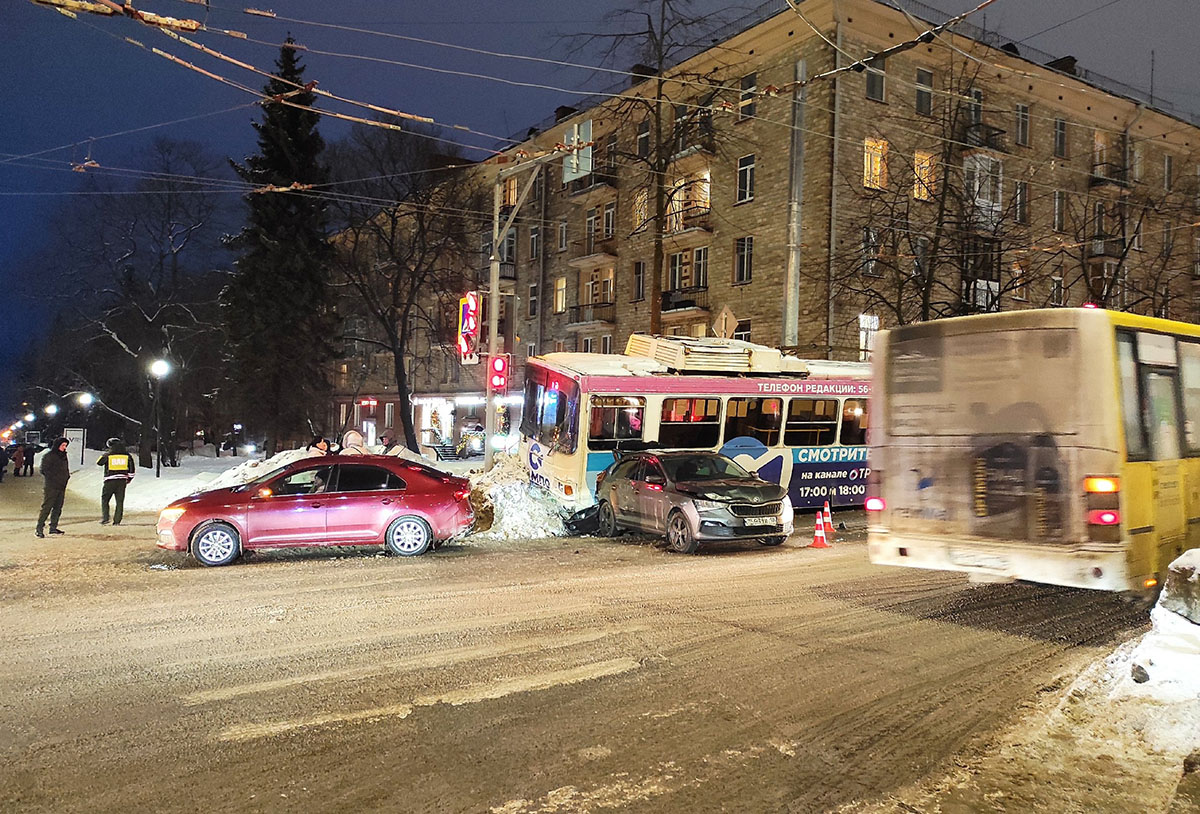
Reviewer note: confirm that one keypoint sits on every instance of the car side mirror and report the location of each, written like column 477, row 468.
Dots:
column 656, row 480
column 263, row 492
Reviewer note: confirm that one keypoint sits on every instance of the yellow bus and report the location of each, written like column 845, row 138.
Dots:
column 1059, row 446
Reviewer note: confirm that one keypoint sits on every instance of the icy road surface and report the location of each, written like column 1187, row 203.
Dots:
column 562, row 675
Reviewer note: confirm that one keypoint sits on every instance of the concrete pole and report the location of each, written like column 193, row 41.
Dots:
column 493, row 326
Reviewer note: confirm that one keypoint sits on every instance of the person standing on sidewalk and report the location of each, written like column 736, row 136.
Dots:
column 119, row 469
column 27, row 454
column 57, row 472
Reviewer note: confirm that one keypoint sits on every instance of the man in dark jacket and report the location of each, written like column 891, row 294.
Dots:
column 118, row 472
column 56, row 472
column 3, row 462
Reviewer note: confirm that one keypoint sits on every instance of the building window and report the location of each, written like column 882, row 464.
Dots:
column 596, row 287
column 677, row 270
column 981, row 273
column 1056, row 291
column 742, row 330
column 925, row 176
column 591, row 223
column 389, row 415
column 871, row 238
column 1022, row 134
column 539, row 187
column 1168, row 240
column 920, row 265
column 530, row 350
column 982, row 178
column 510, row 191
column 508, row 247
column 1162, row 308
column 975, row 106
column 1135, row 163
column 560, row 295
column 535, row 242
column 745, row 178
column 868, row 326
column 1135, row 241
column 639, row 281
column 610, row 154
column 875, row 163
column 1021, row 202
column 1060, row 138
column 643, row 139
column 924, row 92
column 588, row 345
column 1020, row 282
column 1060, row 210
column 559, row 345
column 875, row 80
column 1168, row 172
column 749, row 93
column 610, row 219
column 606, row 343
column 700, row 267
column 743, row 253
column 562, row 236
column 533, row 300
column 343, row 411
column 641, row 208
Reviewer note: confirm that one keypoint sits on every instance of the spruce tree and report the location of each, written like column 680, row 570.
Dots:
column 276, row 311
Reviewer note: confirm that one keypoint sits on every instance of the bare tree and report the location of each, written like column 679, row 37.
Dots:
column 408, row 216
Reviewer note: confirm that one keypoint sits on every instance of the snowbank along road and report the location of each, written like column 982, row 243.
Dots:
column 571, row 675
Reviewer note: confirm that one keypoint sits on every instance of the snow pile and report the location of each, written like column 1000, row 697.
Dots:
column 145, row 492
column 252, row 469
column 519, row 511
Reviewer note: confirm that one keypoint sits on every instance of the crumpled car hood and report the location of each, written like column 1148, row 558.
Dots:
column 736, row 490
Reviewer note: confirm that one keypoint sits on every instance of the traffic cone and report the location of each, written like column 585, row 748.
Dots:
column 828, row 522
column 819, row 534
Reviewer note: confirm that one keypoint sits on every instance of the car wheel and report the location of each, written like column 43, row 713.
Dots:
column 216, row 544
column 679, row 534
column 771, row 540
column 608, row 520
column 409, row 536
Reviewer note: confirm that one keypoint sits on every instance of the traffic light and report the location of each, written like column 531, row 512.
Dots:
column 498, row 373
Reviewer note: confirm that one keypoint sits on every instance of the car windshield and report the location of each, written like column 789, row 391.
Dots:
column 701, row 467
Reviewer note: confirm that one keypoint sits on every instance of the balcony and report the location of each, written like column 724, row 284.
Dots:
column 1106, row 247
column 599, row 184
column 591, row 313
column 693, row 298
column 1107, row 172
column 980, row 136
column 596, row 251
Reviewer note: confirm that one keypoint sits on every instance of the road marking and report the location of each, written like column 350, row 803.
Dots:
column 468, row 695
column 429, row 660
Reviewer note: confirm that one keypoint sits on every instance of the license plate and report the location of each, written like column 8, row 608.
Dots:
column 975, row 559
column 761, row 521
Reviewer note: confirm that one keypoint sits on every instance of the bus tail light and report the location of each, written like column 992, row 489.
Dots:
column 1101, row 486
column 1149, row 583
column 875, row 504
column 1104, row 517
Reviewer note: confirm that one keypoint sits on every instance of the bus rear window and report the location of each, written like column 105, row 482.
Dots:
column 811, row 423
column 690, row 423
column 551, row 409
column 753, row 418
column 613, row 419
column 854, row 422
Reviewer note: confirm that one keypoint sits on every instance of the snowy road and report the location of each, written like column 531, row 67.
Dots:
column 547, row 676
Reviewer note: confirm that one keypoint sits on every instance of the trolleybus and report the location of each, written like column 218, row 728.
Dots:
column 799, row 423
column 1059, row 446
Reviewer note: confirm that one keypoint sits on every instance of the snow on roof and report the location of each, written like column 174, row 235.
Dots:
column 605, row 364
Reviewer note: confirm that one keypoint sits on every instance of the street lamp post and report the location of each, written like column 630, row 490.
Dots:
column 158, row 369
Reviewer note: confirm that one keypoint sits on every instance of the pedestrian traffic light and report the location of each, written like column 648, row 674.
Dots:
column 498, row 373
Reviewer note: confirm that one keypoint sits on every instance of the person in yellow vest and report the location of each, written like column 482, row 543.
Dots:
column 118, row 472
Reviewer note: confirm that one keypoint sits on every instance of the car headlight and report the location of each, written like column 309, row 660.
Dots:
column 706, row 505
column 168, row 517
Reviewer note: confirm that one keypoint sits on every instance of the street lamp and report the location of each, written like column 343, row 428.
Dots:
column 29, row 418
column 158, row 369
column 86, row 399
column 51, row 410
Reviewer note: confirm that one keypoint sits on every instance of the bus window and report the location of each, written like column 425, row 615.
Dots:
column 1161, row 418
column 754, row 418
column 613, row 419
column 810, row 423
column 1135, row 439
column 1189, row 370
column 690, row 423
column 550, row 413
column 854, row 422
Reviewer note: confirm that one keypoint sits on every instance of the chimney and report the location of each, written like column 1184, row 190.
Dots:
column 1064, row 64
column 640, row 73
column 564, row 112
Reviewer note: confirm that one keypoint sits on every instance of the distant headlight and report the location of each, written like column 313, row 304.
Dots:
column 168, row 517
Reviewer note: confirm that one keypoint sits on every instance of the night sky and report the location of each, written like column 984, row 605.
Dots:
column 66, row 81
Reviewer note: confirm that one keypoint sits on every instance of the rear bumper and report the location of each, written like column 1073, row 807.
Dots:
column 1075, row 566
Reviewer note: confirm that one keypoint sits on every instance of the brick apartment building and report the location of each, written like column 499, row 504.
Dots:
column 962, row 174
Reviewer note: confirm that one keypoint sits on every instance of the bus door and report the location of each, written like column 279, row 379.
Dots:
column 1153, row 488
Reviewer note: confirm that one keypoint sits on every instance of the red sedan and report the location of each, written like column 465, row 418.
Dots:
column 351, row 500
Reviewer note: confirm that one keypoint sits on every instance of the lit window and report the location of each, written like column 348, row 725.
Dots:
column 875, row 163
column 925, row 172
column 560, row 295
column 641, row 208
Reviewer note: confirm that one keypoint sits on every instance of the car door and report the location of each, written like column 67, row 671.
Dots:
column 365, row 499
column 619, row 490
column 652, row 497
column 290, row 510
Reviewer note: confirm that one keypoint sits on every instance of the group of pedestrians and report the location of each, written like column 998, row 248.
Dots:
column 21, row 457
column 119, row 469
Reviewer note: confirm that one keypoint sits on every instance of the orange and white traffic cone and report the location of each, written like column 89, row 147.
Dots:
column 828, row 521
column 819, row 534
